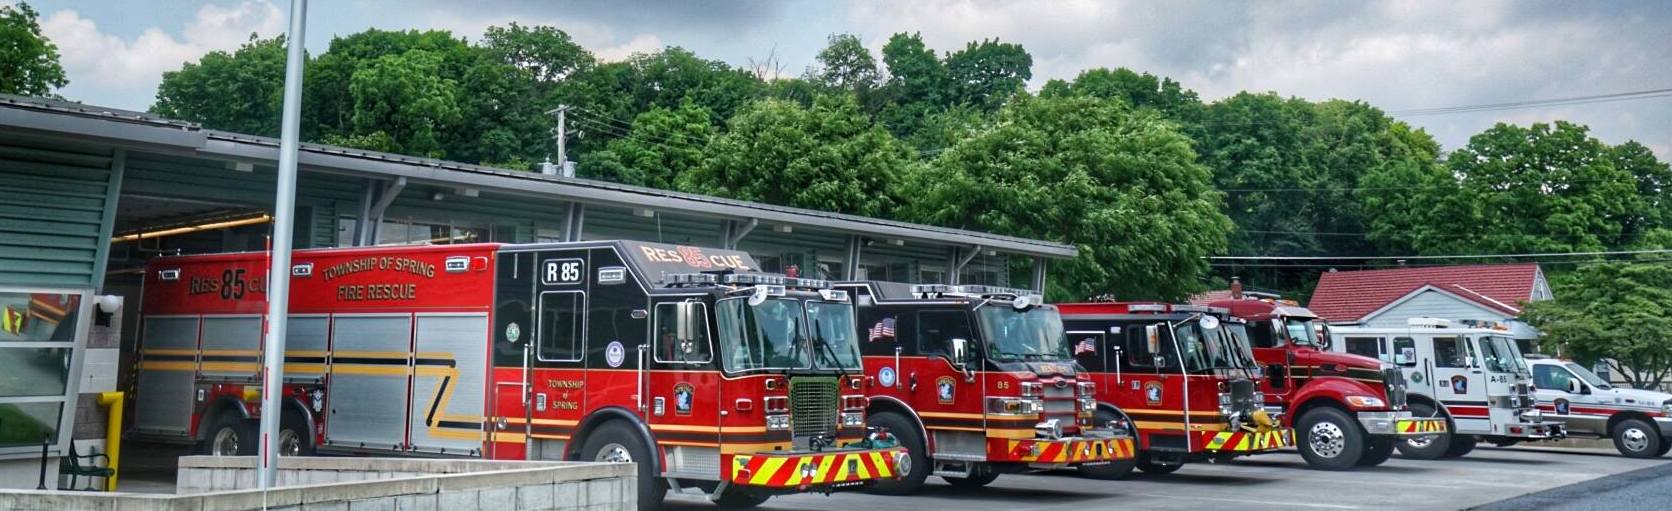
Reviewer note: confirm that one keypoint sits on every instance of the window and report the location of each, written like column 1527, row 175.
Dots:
column 1453, row 352
column 1404, row 351
column 1366, row 346
column 561, row 316
column 1549, row 377
column 937, row 329
column 1495, row 352
column 772, row 335
column 1138, row 353
column 39, row 334
column 1086, row 346
column 671, row 349
column 1260, row 333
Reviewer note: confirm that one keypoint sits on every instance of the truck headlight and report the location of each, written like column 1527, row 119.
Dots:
column 1224, row 404
column 1666, row 408
column 1534, row 415
column 1032, row 389
column 777, row 422
column 853, row 420
column 1088, row 406
column 1015, row 406
column 1366, row 402
column 1088, row 388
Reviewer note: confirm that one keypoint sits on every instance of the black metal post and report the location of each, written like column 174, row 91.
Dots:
column 46, row 443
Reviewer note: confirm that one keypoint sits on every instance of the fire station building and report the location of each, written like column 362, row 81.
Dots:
column 88, row 194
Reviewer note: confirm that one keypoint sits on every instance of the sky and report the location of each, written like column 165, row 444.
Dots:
column 1397, row 55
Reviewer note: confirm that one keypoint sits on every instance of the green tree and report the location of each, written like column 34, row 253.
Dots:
column 240, row 91
column 1260, row 145
column 1654, row 184
column 1618, row 313
column 916, row 86
column 987, row 73
column 28, row 61
column 548, row 54
column 828, row 157
column 407, row 97
column 331, row 107
column 1139, row 90
column 845, row 64
column 1120, row 184
column 662, row 145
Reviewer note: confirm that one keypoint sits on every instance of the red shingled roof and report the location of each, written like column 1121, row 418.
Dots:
column 1344, row 296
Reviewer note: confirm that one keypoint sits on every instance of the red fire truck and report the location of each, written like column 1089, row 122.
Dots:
column 708, row 374
column 1348, row 410
column 976, row 381
column 1180, row 376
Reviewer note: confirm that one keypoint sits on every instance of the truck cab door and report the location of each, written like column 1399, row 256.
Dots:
column 1459, row 381
column 1552, row 388
column 684, row 391
column 937, row 383
column 1275, row 357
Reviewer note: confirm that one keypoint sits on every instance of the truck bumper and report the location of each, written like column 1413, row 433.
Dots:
column 1400, row 423
column 1536, row 430
column 802, row 471
column 1247, row 441
column 1062, row 451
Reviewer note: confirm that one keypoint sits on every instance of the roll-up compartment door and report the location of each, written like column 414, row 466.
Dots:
column 304, row 347
column 370, row 373
column 448, row 382
column 231, row 347
column 167, row 368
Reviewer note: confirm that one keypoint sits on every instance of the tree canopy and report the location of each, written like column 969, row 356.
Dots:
column 28, row 61
column 1619, row 314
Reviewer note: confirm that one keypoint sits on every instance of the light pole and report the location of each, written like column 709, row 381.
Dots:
column 278, row 277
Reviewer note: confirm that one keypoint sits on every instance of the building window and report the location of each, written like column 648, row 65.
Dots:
column 39, row 334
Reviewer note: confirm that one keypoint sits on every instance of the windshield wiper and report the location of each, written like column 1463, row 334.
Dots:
column 818, row 336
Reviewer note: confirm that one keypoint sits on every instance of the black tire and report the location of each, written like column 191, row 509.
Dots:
column 616, row 441
column 1376, row 451
column 294, row 424
column 739, row 498
column 1665, row 446
column 230, row 435
column 1149, row 466
column 1504, row 442
column 906, row 432
column 1329, row 439
column 1637, row 439
column 1112, row 470
column 1425, row 447
column 982, row 475
column 1461, row 445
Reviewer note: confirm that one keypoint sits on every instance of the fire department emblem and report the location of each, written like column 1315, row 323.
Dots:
column 1152, row 392
column 945, row 389
column 1562, row 407
column 1416, row 378
column 615, row 354
column 513, row 332
column 683, row 393
column 1459, row 384
column 886, row 376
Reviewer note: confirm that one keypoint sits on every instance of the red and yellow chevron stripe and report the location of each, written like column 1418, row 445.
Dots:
column 808, row 470
column 1249, row 441
column 1419, row 426
column 1062, row 451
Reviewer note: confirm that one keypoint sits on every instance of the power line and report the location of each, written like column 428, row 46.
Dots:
column 1426, row 257
column 1573, row 100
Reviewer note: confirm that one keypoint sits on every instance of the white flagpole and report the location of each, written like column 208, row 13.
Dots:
column 278, row 278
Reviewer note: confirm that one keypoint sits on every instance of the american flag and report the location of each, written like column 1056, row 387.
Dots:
column 1086, row 345
column 882, row 330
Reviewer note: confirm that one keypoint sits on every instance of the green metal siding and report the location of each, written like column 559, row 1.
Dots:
column 55, row 201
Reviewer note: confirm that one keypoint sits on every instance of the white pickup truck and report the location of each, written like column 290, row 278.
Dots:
column 1639, row 421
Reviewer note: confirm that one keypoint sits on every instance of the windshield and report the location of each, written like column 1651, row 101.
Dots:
column 1588, row 376
column 1239, row 347
column 1016, row 335
column 1501, row 356
column 834, row 344
column 1207, row 349
column 1301, row 332
column 766, row 336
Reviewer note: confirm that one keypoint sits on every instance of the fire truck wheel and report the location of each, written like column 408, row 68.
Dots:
column 906, row 432
column 983, row 476
column 294, row 439
column 1112, row 470
column 615, row 441
column 739, row 498
column 1376, row 451
column 1329, row 439
column 230, row 435
column 1665, row 446
column 1461, row 445
column 1150, row 466
column 1637, row 439
column 1425, row 447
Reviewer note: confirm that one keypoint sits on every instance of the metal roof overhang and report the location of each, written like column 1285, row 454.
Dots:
column 135, row 129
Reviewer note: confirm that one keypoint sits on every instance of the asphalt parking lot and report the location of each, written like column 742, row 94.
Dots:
column 1274, row 481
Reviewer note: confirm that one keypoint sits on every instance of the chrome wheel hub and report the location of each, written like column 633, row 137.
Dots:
column 1420, row 442
column 225, row 443
column 614, row 453
column 1635, row 440
column 1326, row 439
column 290, row 444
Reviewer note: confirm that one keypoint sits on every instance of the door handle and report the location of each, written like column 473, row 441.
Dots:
column 913, row 381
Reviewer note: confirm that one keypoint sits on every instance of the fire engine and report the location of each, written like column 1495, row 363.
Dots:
column 708, row 374
column 1348, row 410
column 976, row 381
column 1474, row 378
column 1639, row 421
column 1179, row 375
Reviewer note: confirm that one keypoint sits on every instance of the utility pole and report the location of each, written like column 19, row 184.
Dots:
column 561, row 134
column 278, row 276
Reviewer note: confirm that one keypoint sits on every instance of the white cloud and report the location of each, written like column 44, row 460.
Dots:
column 128, row 70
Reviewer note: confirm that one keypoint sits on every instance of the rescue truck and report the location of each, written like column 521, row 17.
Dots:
column 1639, row 421
column 708, row 374
column 1473, row 378
column 1347, row 410
column 1179, row 376
column 976, row 381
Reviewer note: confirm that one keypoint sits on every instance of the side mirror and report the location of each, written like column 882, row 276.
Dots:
column 1152, row 338
column 690, row 321
column 960, row 351
column 1323, row 343
column 1574, row 387
column 1400, row 358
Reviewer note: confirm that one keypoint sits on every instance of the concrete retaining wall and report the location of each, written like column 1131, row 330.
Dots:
column 354, row 484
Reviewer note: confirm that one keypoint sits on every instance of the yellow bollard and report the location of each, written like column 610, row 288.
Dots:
column 113, row 433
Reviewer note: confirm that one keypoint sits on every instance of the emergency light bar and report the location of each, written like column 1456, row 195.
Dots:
column 745, row 279
column 1428, row 322
column 968, row 290
column 1147, row 307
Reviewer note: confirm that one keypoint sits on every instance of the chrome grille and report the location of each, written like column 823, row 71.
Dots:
column 813, row 406
column 1523, row 396
column 1393, row 379
column 1242, row 396
column 1061, row 403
